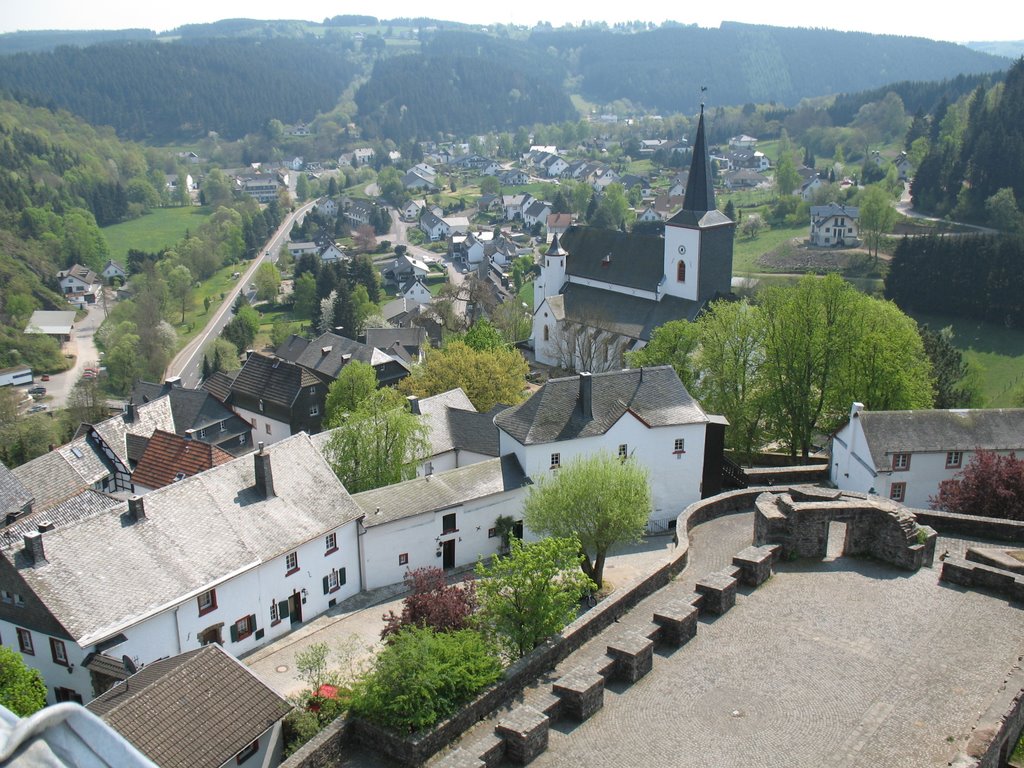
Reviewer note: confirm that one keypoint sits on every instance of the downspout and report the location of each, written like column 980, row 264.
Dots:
column 361, row 550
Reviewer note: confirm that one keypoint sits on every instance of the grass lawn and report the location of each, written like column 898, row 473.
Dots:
column 526, row 294
column 197, row 317
column 746, row 251
column 157, row 230
column 269, row 314
column 995, row 353
column 435, row 283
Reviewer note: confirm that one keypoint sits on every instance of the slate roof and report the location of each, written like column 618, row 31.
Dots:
column 633, row 316
column 444, row 490
column 637, row 261
column 889, row 432
column 328, row 353
column 82, row 273
column 195, row 409
column 219, row 385
column 405, row 343
column 195, row 710
column 834, row 209
column 699, row 199
column 273, row 379
column 434, row 411
column 148, row 418
column 239, row 529
column 63, row 472
column 553, row 413
column 14, row 496
column 167, row 456
column 72, row 509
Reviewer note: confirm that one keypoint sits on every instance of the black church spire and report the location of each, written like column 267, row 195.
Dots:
column 700, row 193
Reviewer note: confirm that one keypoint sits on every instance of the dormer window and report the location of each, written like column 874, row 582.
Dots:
column 681, row 272
column 261, row 405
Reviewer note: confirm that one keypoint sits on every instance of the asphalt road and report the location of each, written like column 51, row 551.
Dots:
column 188, row 363
column 83, row 348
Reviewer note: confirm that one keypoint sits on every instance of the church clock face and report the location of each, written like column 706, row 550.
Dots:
column 682, row 250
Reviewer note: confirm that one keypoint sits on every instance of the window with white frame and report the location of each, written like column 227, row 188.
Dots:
column 224, row 426
column 556, row 460
column 331, row 542
column 291, row 563
column 900, row 462
column 679, row 446
column 898, row 491
column 274, row 615
column 623, row 452
column 207, row 601
column 314, row 410
column 954, row 459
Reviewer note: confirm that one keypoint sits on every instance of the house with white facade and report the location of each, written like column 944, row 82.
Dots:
column 112, row 269
column 410, row 210
column 201, row 708
column 904, row 455
column 643, row 414
column 834, row 225
column 326, row 207
column 363, row 156
column 237, row 555
column 514, row 178
column 602, row 292
column 407, row 266
column 299, row 248
column 441, row 520
column 79, row 284
column 536, row 213
column 434, row 227
column 459, row 435
column 415, row 291
column 515, row 205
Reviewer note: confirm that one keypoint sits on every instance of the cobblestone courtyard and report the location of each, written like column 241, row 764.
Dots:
column 840, row 663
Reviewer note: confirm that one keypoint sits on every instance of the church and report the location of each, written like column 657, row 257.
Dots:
column 601, row 293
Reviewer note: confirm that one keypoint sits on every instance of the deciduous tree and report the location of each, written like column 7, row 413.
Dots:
column 268, row 281
column 531, row 594
column 22, row 689
column 877, row 217
column 989, row 486
column 488, row 377
column 599, row 500
column 380, row 443
column 432, row 602
column 356, row 382
column 673, row 343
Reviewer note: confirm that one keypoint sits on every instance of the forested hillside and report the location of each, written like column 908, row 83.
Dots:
column 663, row 69
column 424, row 95
column 162, row 91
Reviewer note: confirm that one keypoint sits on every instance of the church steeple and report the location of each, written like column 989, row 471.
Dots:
column 700, row 193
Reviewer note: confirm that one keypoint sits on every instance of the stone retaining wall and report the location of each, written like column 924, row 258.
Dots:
column 997, row 731
column 971, row 525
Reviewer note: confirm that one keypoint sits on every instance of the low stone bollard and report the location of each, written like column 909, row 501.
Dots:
column 678, row 622
column 719, row 591
column 633, row 657
column 582, row 693
column 755, row 564
column 525, row 731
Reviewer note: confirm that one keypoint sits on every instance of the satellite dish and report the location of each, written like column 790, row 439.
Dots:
column 129, row 665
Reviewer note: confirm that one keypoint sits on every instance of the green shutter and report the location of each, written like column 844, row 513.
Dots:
column 327, row 584
column 252, row 623
column 341, row 577
column 282, row 610
column 234, row 633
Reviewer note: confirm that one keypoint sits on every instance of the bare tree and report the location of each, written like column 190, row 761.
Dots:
column 582, row 345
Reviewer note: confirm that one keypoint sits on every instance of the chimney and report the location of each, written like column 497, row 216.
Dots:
column 587, row 395
column 34, row 547
column 190, row 434
column 44, row 526
column 855, row 410
column 264, row 476
column 129, row 412
column 172, row 382
column 414, row 404
column 136, row 508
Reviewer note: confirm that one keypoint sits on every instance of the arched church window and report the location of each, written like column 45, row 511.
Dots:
column 681, row 272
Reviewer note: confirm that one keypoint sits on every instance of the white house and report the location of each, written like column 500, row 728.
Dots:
column 236, row 555
column 514, row 178
column 457, row 225
column 644, row 414
column 834, row 225
column 410, row 210
column 79, row 285
column 442, row 520
column 742, row 142
column 363, row 156
column 535, row 213
column 515, row 205
column 299, row 248
column 459, row 435
column 407, row 265
column 327, row 207
column 112, row 269
column 433, row 226
column 415, row 291
column 904, row 455
column 332, row 252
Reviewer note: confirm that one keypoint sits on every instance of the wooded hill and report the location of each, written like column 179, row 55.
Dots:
column 234, row 75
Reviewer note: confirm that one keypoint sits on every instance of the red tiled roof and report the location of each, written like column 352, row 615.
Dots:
column 169, row 458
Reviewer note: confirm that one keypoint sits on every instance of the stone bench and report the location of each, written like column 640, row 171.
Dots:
column 525, row 732
column 678, row 623
column 633, row 657
column 582, row 693
column 755, row 564
column 719, row 591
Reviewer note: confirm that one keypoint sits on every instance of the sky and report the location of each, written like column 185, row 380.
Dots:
column 986, row 20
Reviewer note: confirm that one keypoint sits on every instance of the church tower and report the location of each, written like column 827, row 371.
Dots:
column 552, row 273
column 699, row 239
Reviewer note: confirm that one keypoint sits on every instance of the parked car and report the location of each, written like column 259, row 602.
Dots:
column 88, row 374
column 37, row 391
column 45, row 377
column 38, row 408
